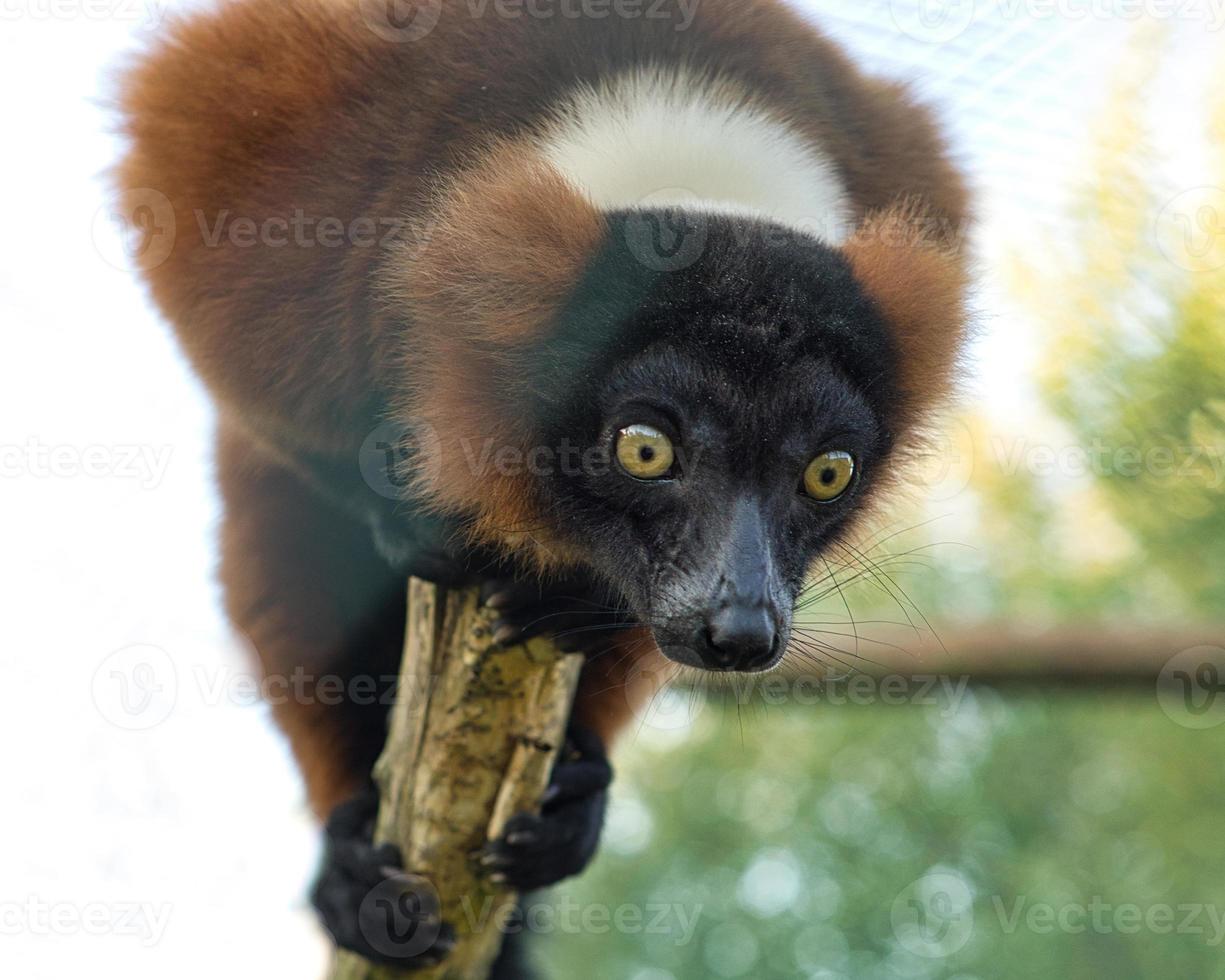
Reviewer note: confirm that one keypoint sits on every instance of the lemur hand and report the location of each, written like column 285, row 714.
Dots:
column 537, row 851
column 578, row 617
column 365, row 899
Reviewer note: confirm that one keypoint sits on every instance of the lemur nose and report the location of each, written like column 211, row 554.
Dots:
column 740, row 637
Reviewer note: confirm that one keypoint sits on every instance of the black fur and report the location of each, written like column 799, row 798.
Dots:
column 756, row 356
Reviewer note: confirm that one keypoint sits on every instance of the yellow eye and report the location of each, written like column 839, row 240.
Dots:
column 644, row 452
column 828, row 475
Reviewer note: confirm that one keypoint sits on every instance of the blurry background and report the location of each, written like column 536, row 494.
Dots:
column 1058, row 816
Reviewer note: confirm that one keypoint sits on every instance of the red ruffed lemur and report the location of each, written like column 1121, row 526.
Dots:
column 657, row 299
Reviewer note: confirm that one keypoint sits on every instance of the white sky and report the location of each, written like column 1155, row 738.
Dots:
column 200, row 817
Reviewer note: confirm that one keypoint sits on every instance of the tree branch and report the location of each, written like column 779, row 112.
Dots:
column 1007, row 653
column 472, row 739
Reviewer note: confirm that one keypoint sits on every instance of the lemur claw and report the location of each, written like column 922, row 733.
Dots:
column 537, row 851
column 368, row 903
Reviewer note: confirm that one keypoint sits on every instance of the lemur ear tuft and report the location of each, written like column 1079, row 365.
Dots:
column 913, row 266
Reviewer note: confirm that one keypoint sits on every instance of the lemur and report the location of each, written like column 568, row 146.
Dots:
column 660, row 303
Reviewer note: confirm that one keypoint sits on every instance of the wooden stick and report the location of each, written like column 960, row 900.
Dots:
column 471, row 742
column 1008, row 653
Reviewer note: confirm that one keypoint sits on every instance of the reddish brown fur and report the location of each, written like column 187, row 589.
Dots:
column 261, row 108
column 502, row 249
column 615, row 689
column 918, row 278
column 309, row 593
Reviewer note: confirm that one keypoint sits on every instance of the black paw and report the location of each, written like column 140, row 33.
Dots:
column 579, row 617
column 368, row 903
column 537, row 851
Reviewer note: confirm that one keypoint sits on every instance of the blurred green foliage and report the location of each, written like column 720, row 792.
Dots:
column 1129, row 300
column 792, row 839
column 1132, row 305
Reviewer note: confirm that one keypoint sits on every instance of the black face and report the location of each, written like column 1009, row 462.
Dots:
column 734, row 414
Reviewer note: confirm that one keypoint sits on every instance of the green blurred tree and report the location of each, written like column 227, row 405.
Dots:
column 1125, row 517
column 1131, row 304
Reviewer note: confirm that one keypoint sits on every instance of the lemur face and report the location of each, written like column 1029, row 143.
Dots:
column 713, row 424
column 719, row 496
column 734, row 430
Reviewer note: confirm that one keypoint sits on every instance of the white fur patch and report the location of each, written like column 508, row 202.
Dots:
column 658, row 139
